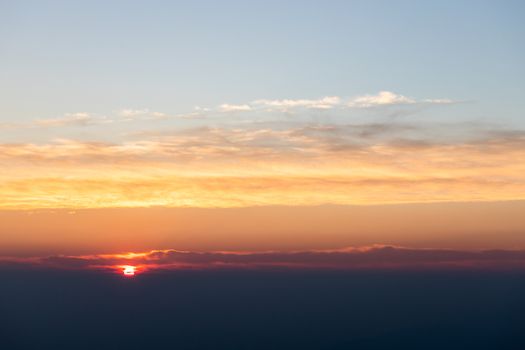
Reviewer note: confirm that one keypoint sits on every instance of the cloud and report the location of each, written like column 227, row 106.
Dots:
column 122, row 189
column 82, row 119
column 159, row 115
column 293, row 162
column 387, row 98
column 383, row 98
column 370, row 257
column 319, row 140
column 130, row 113
column 439, row 101
column 328, row 102
column 244, row 162
column 234, row 108
column 235, row 167
column 71, row 119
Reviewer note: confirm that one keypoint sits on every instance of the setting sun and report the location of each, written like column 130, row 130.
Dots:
column 128, row 271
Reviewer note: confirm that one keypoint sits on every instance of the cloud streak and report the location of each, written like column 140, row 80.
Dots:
column 234, row 108
column 370, row 257
column 381, row 99
column 72, row 119
column 233, row 167
column 328, row 102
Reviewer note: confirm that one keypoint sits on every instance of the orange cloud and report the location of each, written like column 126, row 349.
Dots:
column 245, row 167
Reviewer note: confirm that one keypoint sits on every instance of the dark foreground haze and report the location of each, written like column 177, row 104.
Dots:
column 262, row 310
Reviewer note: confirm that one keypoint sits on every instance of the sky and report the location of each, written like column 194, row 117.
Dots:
column 250, row 127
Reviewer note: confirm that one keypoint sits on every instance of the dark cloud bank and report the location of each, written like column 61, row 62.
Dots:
column 373, row 257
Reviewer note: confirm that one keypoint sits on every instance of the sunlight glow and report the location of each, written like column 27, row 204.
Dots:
column 128, row 271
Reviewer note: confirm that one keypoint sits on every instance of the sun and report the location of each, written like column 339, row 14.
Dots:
column 128, row 270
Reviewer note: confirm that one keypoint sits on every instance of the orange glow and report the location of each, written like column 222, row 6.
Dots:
column 494, row 225
column 128, row 270
column 76, row 175
column 68, row 197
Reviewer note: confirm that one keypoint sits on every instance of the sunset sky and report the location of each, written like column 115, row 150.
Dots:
column 165, row 130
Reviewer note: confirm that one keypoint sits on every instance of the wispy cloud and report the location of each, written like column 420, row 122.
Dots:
column 68, row 119
column 234, row 108
column 383, row 98
column 130, row 114
column 320, row 141
column 328, row 102
column 439, row 101
column 72, row 119
column 290, row 106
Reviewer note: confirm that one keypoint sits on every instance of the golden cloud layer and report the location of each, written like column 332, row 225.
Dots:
column 248, row 167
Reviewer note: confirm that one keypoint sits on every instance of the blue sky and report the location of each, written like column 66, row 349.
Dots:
column 59, row 57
